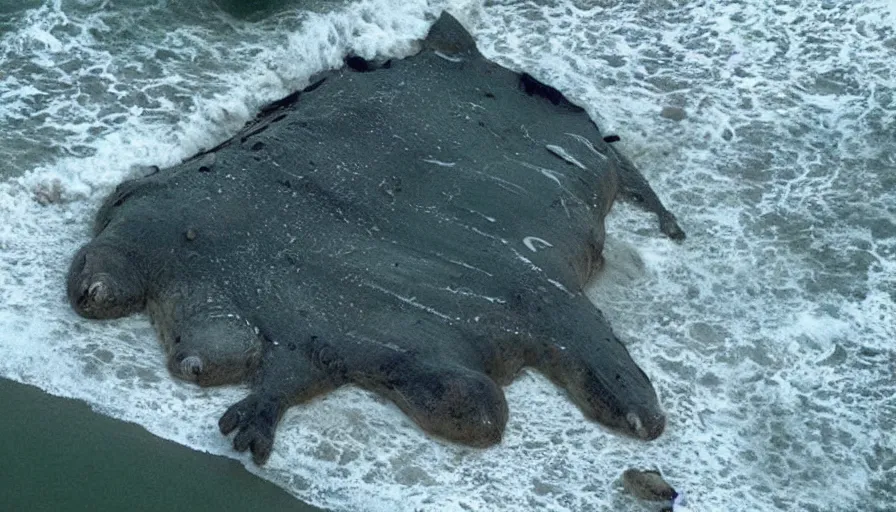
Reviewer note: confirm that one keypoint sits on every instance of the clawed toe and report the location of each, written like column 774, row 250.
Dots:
column 255, row 419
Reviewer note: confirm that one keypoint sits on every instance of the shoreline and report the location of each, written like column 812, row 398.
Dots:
column 58, row 454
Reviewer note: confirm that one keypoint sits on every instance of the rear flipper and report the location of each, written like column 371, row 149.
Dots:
column 632, row 183
column 635, row 187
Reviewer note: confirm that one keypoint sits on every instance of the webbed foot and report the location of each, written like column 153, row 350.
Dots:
column 634, row 186
column 255, row 418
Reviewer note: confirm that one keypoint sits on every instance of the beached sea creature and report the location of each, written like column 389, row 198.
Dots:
column 421, row 228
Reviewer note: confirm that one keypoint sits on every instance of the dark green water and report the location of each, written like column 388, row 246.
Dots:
column 59, row 455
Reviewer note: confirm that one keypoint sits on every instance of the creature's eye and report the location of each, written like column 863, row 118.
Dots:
column 177, row 340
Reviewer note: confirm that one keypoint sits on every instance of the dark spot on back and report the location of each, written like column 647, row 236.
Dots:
column 533, row 87
column 358, row 64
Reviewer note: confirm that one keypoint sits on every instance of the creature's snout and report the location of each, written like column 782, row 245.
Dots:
column 647, row 426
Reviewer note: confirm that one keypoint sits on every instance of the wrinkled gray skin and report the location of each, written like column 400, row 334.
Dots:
column 422, row 230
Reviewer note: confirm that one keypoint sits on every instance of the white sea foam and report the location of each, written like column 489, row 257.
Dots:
column 768, row 333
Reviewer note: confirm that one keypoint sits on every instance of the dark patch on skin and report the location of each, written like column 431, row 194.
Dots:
column 533, row 87
column 359, row 64
column 611, row 138
column 399, row 258
column 362, row 65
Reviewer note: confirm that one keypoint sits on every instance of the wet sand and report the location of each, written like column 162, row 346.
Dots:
column 57, row 454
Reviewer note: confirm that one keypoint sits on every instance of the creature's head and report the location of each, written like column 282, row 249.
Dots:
column 103, row 282
column 613, row 390
column 213, row 351
column 631, row 405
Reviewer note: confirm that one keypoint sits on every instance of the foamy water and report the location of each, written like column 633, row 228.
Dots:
column 769, row 333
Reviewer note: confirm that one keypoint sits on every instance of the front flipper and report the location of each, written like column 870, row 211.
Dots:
column 289, row 374
column 256, row 417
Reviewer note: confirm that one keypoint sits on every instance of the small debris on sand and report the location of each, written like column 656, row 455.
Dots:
column 647, row 484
